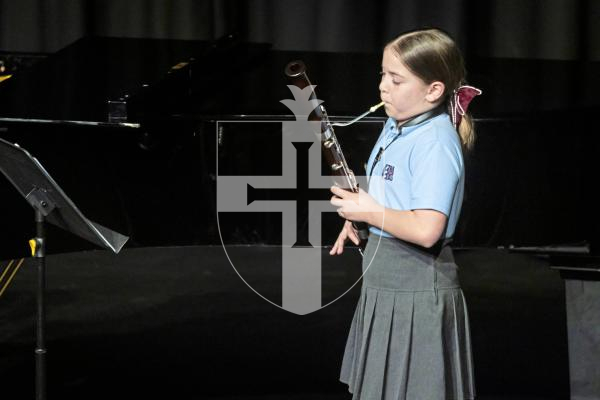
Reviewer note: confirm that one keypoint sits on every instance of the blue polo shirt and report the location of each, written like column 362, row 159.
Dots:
column 422, row 168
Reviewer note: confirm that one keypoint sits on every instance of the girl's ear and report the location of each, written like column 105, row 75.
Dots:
column 435, row 91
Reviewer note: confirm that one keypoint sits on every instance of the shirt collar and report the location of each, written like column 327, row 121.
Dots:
column 392, row 129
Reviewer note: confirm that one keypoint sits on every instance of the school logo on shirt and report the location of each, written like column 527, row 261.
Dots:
column 388, row 172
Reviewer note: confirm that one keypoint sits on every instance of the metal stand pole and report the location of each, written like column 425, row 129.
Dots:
column 39, row 252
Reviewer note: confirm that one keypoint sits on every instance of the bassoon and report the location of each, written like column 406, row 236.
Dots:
column 332, row 151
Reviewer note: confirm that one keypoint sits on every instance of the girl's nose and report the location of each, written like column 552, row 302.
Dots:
column 382, row 85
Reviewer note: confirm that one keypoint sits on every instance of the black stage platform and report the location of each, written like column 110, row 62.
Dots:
column 179, row 323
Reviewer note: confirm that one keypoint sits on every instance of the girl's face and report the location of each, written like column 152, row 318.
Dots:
column 405, row 94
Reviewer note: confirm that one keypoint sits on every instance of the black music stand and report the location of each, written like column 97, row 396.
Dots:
column 51, row 204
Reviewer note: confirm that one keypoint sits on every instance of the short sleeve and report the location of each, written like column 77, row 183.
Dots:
column 436, row 168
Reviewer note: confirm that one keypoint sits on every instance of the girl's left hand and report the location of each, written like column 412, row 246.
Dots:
column 354, row 206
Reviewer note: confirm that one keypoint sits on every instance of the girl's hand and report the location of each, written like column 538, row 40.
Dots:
column 352, row 206
column 348, row 232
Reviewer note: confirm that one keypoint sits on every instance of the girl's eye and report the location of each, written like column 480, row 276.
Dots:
column 394, row 81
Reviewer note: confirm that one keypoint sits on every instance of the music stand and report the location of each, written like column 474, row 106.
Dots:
column 51, row 204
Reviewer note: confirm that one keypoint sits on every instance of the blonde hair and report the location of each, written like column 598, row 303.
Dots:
column 433, row 56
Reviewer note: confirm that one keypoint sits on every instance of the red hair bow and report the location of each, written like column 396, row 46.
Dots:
column 460, row 102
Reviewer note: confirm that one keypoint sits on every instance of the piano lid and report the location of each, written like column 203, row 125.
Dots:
column 77, row 82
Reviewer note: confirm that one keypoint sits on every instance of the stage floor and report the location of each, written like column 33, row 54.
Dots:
column 179, row 322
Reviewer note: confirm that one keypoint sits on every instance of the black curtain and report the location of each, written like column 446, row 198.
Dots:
column 540, row 29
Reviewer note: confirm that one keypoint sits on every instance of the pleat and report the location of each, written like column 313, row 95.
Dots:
column 350, row 361
column 398, row 357
column 458, row 357
column 347, row 373
column 376, row 356
column 468, row 374
column 365, row 344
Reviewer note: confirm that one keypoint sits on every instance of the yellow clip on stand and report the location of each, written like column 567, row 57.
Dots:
column 37, row 247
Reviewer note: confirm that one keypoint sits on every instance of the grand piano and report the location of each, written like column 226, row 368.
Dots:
column 133, row 129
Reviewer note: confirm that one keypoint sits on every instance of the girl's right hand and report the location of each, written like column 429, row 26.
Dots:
column 348, row 232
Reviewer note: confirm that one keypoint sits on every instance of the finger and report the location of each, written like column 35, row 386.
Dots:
column 339, row 192
column 343, row 236
column 336, row 201
column 339, row 241
column 353, row 236
column 340, row 248
column 336, row 247
column 333, row 249
column 351, row 231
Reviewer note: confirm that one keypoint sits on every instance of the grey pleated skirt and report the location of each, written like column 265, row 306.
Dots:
column 409, row 337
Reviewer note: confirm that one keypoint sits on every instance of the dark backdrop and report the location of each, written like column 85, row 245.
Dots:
column 545, row 29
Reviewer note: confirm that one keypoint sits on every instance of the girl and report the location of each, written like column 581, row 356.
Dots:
column 409, row 337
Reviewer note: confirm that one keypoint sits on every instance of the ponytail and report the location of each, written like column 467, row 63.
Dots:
column 466, row 132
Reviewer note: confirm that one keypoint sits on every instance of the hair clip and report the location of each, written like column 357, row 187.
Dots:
column 461, row 97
